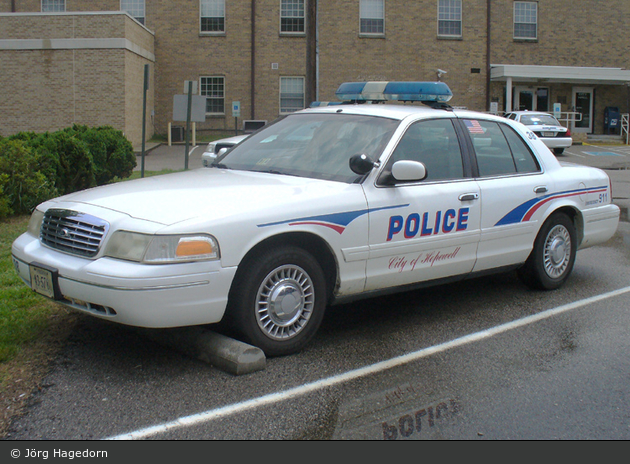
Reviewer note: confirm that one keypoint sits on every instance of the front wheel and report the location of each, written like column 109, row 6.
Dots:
column 551, row 261
column 278, row 300
column 558, row 151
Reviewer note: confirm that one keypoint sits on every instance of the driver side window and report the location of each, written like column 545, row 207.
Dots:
column 435, row 144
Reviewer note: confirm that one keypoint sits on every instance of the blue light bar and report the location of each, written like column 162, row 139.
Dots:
column 394, row 91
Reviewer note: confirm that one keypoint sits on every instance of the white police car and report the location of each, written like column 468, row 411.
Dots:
column 325, row 205
column 546, row 127
column 213, row 148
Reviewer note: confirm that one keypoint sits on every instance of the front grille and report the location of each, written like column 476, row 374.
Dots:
column 73, row 232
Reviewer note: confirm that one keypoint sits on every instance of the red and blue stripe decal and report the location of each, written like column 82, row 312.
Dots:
column 525, row 211
column 335, row 221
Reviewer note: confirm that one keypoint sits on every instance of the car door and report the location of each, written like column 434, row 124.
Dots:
column 511, row 181
column 429, row 229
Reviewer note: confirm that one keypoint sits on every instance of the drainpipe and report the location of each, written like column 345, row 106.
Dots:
column 488, row 49
column 252, row 79
column 311, row 53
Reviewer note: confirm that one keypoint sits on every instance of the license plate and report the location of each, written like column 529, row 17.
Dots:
column 44, row 281
column 549, row 134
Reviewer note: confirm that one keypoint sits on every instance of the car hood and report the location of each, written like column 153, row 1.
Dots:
column 209, row 193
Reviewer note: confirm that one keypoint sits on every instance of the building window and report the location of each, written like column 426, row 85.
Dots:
column 525, row 20
column 292, row 16
column 372, row 14
column 291, row 94
column 212, row 14
column 53, row 5
column 134, row 7
column 214, row 90
column 450, row 18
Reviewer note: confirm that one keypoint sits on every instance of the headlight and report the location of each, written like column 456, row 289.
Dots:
column 162, row 249
column 35, row 223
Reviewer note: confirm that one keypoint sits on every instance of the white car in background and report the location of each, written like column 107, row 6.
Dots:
column 546, row 127
column 213, row 148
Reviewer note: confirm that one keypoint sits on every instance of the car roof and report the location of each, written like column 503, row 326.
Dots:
column 530, row 112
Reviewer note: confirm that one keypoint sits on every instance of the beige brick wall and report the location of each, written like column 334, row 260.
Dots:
column 570, row 33
column 51, row 88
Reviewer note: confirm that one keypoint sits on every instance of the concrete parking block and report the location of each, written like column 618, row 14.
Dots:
column 225, row 353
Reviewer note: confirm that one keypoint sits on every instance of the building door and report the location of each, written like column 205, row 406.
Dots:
column 531, row 99
column 583, row 104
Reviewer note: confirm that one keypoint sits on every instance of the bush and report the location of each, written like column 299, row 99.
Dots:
column 35, row 167
column 24, row 186
column 111, row 152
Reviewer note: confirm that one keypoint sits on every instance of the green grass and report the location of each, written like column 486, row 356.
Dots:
column 24, row 315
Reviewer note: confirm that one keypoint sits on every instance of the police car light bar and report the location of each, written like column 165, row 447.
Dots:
column 394, row 91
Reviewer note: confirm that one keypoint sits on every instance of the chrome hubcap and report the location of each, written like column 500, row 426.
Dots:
column 284, row 303
column 557, row 252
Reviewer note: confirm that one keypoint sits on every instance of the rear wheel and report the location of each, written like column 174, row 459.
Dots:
column 551, row 261
column 278, row 300
column 558, row 151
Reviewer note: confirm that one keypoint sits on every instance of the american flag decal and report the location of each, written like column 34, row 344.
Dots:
column 473, row 126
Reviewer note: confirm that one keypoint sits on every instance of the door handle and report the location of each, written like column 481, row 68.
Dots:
column 468, row 196
column 540, row 189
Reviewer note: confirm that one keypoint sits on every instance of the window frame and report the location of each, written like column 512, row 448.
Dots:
column 55, row 3
column 212, row 3
column 301, row 32
column 533, row 5
column 450, row 9
column 210, row 98
column 142, row 3
column 363, row 33
column 280, row 107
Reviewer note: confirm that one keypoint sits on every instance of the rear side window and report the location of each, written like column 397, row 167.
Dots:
column 499, row 149
column 523, row 157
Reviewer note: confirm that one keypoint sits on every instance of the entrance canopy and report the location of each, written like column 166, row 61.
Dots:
column 574, row 75
column 559, row 74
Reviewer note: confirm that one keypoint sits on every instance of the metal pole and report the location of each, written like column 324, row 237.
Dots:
column 144, row 114
column 188, row 110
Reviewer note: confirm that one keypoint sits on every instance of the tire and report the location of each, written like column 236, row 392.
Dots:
column 278, row 300
column 551, row 260
column 558, row 151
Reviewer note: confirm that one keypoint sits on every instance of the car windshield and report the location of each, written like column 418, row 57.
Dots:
column 313, row 145
column 539, row 120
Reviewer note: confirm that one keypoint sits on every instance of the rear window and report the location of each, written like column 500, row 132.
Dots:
column 539, row 120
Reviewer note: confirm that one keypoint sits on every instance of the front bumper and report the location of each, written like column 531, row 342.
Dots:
column 142, row 295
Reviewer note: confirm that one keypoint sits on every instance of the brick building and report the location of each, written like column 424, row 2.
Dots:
column 82, row 61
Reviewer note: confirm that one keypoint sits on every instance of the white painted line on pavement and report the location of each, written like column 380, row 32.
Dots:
column 272, row 398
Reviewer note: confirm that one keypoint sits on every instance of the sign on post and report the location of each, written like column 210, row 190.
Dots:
column 198, row 108
column 236, row 112
column 236, row 109
column 557, row 109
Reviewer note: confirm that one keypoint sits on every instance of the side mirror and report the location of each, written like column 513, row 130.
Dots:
column 222, row 150
column 407, row 170
column 361, row 164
